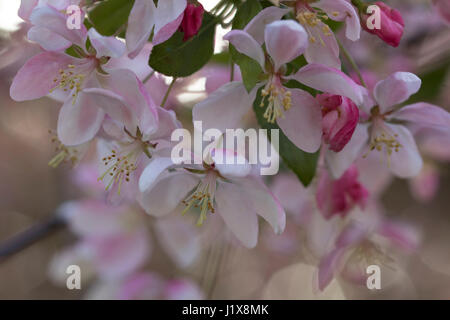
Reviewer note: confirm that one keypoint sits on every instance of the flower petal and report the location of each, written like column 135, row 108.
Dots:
column 152, row 172
column 324, row 52
column 345, row 12
column 26, row 7
column 167, row 12
column 245, row 44
column 140, row 24
column 339, row 162
column 79, row 122
column 167, row 31
column 395, row 89
column 35, row 79
column 47, row 39
column 407, row 162
column 258, row 24
column 285, row 41
column 168, row 192
column 425, row 115
column 330, row 80
column 225, row 107
column 239, row 218
column 106, row 46
column 302, row 122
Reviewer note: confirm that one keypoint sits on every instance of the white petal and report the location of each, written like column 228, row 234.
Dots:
column 245, row 44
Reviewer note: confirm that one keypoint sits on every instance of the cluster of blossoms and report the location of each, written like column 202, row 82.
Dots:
column 116, row 107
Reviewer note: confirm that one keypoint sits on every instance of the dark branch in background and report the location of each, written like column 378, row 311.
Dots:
column 30, row 236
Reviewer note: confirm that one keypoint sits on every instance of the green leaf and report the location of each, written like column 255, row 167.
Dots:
column 178, row 58
column 431, row 84
column 110, row 15
column 250, row 69
column 303, row 164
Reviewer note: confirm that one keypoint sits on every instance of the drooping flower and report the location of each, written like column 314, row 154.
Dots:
column 294, row 110
column 357, row 247
column 391, row 25
column 386, row 132
column 224, row 186
column 145, row 16
column 339, row 197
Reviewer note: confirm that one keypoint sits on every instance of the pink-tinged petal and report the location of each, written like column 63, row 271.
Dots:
column 183, row 289
column 258, row 24
column 424, row 115
column 167, row 124
column 26, row 7
column 233, row 207
column 302, row 123
column 425, row 186
column 179, row 238
column 35, row 79
column 122, row 254
column 263, row 202
column 47, row 39
column 339, row 162
column 125, row 83
column 285, row 41
column 400, row 234
column 167, row 12
column 79, row 123
column 345, row 12
column 326, row 53
column 330, row 80
column 395, row 89
column 114, row 106
column 245, row 44
column 407, row 162
column 94, row 218
column 50, row 18
column 167, row 31
column 225, row 107
column 106, row 46
column 152, row 172
column 329, row 266
column 140, row 24
column 230, row 164
column 168, row 193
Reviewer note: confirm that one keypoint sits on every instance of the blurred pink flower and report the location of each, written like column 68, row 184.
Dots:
column 443, row 9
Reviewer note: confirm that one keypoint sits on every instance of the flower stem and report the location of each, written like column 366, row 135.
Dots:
column 352, row 62
column 166, row 96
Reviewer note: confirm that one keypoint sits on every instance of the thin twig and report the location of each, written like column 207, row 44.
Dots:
column 30, row 236
column 166, row 96
column 352, row 62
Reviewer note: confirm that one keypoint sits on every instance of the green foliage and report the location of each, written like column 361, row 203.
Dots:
column 110, row 15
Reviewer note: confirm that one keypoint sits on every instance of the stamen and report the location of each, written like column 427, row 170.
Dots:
column 64, row 154
column 384, row 142
column 119, row 168
column 314, row 26
column 202, row 197
column 279, row 99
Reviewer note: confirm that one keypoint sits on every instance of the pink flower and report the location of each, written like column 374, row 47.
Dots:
column 386, row 132
column 164, row 20
column 192, row 20
column 229, row 190
column 340, row 117
column 391, row 25
column 357, row 247
column 339, row 197
column 295, row 111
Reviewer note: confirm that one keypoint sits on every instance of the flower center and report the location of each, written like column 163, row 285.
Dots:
column 383, row 140
column 279, row 100
column 203, row 196
column 119, row 166
column 312, row 21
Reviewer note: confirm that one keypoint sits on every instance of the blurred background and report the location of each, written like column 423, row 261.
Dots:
column 31, row 191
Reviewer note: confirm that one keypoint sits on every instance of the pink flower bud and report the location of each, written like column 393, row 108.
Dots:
column 391, row 25
column 338, row 197
column 340, row 117
column 192, row 20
